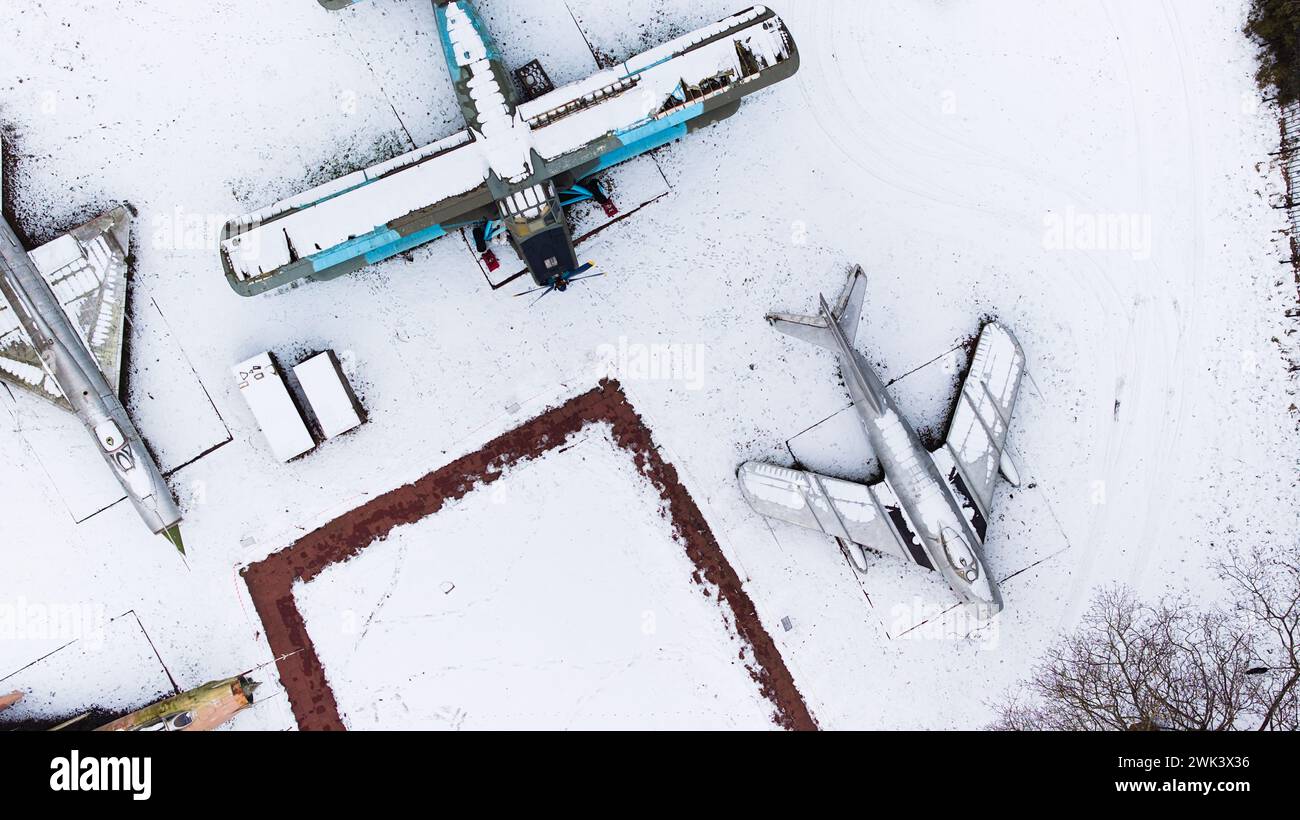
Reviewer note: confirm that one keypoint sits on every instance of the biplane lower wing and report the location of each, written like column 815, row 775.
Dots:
column 359, row 219
column 661, row 95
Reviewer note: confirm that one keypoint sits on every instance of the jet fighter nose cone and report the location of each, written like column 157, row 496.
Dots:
column 173, row 534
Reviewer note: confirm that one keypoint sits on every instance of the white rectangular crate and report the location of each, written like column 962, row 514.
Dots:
column 263, row 388
column 328, row 394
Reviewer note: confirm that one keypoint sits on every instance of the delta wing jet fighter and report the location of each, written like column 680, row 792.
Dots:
column 930, row 508
column 519, row 163
column 62, row 320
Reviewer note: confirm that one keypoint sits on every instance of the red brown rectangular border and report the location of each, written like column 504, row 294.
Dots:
column 270, row 581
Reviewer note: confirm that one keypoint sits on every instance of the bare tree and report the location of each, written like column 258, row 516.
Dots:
column 1269, row 582
column 1133, row 666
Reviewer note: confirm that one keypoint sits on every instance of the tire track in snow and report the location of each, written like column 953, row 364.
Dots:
column 1155, row 378
column 1183, row 313
column 852, row 129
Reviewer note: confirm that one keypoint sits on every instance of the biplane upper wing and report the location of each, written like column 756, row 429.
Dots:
column 658, row 96
column 978, row 434
column 358, row 219
column 86, row 269
column 867, row 515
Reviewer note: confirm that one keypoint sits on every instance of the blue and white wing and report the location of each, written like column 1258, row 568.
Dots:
column 359, row 219
column 659, row 96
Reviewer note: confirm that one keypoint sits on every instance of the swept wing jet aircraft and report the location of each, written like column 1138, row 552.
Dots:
column 930, row 508
column 62, row 320
column 518, row 164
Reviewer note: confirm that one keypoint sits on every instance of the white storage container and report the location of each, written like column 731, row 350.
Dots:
column 328, row 394
column 263, row 388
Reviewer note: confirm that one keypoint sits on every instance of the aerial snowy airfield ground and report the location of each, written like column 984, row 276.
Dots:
column 959, row 151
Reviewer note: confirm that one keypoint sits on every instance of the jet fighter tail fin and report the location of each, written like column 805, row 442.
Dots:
column 846, row 311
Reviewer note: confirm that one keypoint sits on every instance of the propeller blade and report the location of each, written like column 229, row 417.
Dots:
column 543, row 296
column 567, row 281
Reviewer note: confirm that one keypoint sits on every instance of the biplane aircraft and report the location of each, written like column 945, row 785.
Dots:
column 930, row 508
column 521, row 161
column 62, row 325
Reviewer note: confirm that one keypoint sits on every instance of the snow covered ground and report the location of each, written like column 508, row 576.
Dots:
column 603, row 629
column 962, row 153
